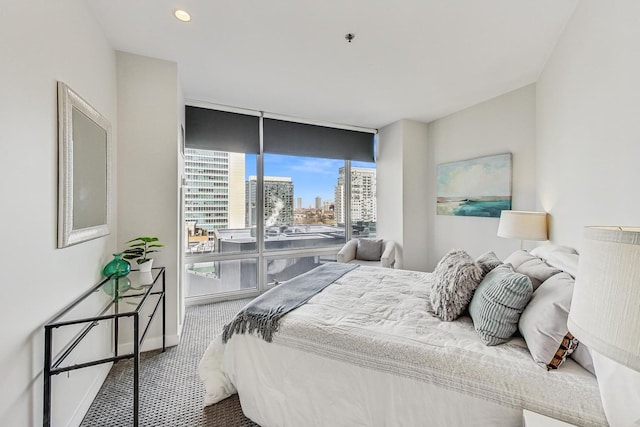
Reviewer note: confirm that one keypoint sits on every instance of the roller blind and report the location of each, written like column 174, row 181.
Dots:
column 302, row 139
column 208, row 129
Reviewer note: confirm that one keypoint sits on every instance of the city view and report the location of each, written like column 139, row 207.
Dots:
column 220, row 194
column 305, row 207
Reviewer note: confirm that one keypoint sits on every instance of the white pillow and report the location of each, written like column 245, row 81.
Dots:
column 543, row 323
column 532, row 266
column 545, row 250
column 582, row 356
column 564, row 261
column 561, row 257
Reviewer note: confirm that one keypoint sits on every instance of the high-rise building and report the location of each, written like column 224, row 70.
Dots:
column 327, row 206
column 318, row 203
column 278, row 201
column 299, row 203
column 363, row 195
column 214, row 189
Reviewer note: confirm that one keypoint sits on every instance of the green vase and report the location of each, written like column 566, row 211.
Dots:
column 118, row 267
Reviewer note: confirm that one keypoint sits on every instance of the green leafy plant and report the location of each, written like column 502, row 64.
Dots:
column 140, row 248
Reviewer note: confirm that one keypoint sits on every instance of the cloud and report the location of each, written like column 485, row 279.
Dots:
column 322, row 166
column 475, row 179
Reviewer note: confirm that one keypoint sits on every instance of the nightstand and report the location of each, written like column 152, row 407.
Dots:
column 533, row 419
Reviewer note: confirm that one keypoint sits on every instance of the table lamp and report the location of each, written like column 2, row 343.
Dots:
column 523, row 225
column 605, row 309
column 605, row 316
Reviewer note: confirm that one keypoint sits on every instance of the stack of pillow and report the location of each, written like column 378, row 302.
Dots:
column 524, row 293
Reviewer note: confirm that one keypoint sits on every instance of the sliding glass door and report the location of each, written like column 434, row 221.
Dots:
column 273, row 204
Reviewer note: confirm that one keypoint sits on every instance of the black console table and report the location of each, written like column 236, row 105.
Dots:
column 111, row 300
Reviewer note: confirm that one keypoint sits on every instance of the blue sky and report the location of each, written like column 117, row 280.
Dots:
column 311, row 177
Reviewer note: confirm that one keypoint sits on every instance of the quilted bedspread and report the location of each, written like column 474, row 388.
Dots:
column 377, row 321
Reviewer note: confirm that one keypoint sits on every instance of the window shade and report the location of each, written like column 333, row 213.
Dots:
column 221, row 131
column 301, row 139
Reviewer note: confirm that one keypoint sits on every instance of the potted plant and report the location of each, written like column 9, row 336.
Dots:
column 139, row 249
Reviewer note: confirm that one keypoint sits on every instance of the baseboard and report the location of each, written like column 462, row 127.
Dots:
column 150, row 344
column 92, row 392
column 180, row 325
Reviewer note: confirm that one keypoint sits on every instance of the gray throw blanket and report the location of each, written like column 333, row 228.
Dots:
column 263, row 314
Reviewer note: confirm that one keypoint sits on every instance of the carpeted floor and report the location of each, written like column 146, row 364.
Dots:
column 170, row 391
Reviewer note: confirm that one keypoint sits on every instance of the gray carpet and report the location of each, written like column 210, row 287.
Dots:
column 170, row 391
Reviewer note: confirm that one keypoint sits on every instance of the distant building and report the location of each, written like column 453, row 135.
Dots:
column 214, row 189
column 278, row 201
column 318, row 203
column 243, row 272
column 292, row 237
column 327, row 206
column 299, row 203
column 363, row 195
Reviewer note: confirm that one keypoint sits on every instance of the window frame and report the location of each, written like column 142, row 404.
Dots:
column 260, row 253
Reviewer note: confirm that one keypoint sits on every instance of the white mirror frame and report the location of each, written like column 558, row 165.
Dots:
column 68, row 100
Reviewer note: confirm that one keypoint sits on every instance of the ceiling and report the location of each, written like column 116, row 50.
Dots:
column 411, row 59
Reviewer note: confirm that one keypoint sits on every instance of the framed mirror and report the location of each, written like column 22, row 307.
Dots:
column 84, row 170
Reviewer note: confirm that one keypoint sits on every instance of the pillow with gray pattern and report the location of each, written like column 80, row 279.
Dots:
column 498, row 302
column 455, row 278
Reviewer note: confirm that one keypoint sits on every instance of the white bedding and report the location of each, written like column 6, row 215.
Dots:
column 365, row 352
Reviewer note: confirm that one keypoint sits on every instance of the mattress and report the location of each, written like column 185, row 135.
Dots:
column 366, row 352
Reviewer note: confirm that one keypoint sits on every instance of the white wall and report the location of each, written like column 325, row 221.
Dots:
column 588, row 130
column 588, row 121
column 42, row 42
column 149, row 117
column 389, row 185
column 500, row 125
column 401, row 179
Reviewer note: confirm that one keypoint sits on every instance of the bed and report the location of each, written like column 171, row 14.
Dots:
column 366, row 352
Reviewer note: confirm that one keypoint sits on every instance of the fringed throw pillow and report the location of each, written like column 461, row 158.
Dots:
column 454, row 279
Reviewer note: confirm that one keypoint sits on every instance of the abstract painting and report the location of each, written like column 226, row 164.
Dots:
column 475, row 187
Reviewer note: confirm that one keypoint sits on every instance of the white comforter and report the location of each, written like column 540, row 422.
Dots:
column 365, row 352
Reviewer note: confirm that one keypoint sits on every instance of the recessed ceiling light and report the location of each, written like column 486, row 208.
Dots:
column 182, row 15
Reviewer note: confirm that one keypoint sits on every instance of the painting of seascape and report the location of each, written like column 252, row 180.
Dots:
column 475, row 187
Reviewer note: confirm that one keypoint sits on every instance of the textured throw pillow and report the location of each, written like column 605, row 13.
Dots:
column 543, row 323
column 369, row 249
column 454, row 279
column 535, row 268
column 487, row 262
column 498, row 302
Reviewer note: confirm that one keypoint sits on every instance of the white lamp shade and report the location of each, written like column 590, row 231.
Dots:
column 605, row 309
column 523, row 225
